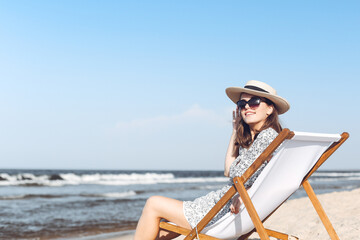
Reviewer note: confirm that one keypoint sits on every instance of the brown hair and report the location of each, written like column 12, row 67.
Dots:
column 244, row 138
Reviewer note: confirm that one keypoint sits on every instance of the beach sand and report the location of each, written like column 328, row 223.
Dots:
column 298, row 217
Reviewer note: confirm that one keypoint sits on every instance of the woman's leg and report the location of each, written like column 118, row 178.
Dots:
column 155, row 209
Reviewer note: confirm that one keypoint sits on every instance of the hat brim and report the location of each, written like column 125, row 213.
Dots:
column 281, row 104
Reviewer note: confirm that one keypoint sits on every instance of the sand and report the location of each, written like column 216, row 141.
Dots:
column 298, row 217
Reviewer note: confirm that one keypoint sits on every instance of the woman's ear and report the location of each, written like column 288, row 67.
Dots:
column 270, row 110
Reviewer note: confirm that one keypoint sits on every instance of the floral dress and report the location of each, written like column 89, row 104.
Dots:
column 195, row 210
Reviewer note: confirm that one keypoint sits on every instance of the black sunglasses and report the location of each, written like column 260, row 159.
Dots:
column 253, row 103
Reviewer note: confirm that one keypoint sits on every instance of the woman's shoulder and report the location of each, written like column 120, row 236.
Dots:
column 268, row 133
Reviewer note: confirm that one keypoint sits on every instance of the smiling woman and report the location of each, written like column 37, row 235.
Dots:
column 255, row 126
column 257, row 113
column 258, row 106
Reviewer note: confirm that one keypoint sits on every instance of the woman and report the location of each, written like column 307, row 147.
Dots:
column 255, row 126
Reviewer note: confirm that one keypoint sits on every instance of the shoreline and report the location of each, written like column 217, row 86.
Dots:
column 297, row 217
column 123, row 234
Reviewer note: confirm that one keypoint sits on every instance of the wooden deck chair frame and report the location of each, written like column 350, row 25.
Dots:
column 238, row 187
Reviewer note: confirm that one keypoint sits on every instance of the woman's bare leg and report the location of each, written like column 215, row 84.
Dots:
column 155, row 209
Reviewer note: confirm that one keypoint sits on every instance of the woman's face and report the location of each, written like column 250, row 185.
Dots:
column 255, row 117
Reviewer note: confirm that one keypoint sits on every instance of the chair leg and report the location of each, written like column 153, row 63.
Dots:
column 320, row 211
column 251, row 209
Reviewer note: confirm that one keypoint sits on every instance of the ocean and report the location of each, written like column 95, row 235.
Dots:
column 48, row 204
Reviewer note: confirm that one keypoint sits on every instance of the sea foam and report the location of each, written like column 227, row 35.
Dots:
column 28, row 179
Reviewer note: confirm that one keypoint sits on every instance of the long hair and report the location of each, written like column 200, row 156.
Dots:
column 244, row 138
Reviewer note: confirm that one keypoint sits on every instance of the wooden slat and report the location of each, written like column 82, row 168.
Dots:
column 183, row 231
column 251, row 209
column 320, row 211
column 218, row 206
column 284, row 134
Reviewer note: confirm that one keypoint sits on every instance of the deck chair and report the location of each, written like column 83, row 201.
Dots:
column 295, row 157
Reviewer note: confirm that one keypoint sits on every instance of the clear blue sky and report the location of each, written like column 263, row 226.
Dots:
column 141, row 84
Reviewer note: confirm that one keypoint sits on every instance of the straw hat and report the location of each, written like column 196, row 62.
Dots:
column 259, row 89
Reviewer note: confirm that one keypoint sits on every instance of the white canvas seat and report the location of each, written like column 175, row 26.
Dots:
column 297, row 156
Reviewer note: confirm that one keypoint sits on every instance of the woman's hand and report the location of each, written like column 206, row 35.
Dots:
column 235, row 204
column 236, row 118
column 233, row 150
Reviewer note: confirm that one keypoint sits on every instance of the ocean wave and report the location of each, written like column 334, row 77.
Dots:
column 336, row 174
column 337, row 179
column 112, row 194
column 119, row 195
column 210, row 187
column 146, row 178
column 29, row 179
column 57, row 180
column 31, row 196
column 47, row 196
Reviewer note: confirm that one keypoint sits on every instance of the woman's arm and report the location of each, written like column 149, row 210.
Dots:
column 231, row 153
column 233, row 150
